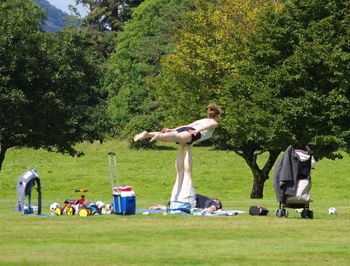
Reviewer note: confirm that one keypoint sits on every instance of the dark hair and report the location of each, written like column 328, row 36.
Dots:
column 218, row 203
column 213, row 110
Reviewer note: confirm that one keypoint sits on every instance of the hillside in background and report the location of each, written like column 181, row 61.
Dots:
column 56, row 18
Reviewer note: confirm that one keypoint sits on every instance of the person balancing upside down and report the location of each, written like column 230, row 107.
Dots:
column 185, row 136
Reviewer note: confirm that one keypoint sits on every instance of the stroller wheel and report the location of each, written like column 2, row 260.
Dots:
column 304, row 213
column 307, row 214
column 311, row 214
column 70, row 211
column 279, row 213
column 282, row 213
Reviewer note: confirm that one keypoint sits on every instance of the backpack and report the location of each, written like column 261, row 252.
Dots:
column 257, row 210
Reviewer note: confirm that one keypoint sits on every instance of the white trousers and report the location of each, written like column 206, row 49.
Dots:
column 183, row 189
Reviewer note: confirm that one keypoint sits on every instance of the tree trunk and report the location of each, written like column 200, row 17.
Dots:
column 3, row 150
column 258, row 184
column 259, row 175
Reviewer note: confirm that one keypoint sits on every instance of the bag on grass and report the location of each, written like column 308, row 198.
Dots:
column 258, row 210
column 178, row 207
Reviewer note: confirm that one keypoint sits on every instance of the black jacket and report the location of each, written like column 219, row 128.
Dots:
column 203, row 202
column 288, row 170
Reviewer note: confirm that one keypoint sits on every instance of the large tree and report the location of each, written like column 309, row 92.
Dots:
column 280, row 72
column 132, row 68
column 292, row 87
column 48, row 84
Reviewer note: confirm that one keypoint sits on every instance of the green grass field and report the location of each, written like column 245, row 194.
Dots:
column 169, row 240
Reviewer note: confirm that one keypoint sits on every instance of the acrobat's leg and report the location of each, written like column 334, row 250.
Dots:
column 188, row 193
column 145, row 135
column 173, row 136
column 179, row 165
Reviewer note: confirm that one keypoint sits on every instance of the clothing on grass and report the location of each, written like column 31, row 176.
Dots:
column 203, row 202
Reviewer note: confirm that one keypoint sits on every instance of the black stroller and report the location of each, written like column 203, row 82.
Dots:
column 292, row 181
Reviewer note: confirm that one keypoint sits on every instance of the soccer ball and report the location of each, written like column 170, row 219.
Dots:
column 108, row 209
column 100, row 204
column 332, row 210
column 53, row 206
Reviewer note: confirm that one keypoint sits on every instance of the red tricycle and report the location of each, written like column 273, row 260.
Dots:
column 80, row 206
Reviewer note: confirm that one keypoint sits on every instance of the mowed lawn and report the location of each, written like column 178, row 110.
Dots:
column 159, row 239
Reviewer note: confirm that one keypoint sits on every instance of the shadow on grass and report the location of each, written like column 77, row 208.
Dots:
column 154, row 148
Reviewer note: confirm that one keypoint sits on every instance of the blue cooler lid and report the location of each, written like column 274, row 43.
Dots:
column 128, row 194
column 124, row 193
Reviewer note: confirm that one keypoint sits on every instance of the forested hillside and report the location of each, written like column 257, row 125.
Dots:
column 56, row 18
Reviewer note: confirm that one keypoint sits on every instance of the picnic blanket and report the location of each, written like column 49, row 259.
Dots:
column 199, row 212
column 203, row 212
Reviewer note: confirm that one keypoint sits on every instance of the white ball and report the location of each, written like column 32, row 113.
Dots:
column 53, row 206
column 145, row 213
column 100, row 204
column 332, row 210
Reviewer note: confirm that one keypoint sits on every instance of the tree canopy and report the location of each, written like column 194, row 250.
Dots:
column 48, row 84
column 298, row 55
column 279, row 71
column 209, row 46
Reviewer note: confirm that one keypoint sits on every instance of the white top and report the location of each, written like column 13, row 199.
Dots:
column 304, row 156
column 202, row 123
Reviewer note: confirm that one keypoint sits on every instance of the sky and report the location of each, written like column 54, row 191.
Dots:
column 63, row 5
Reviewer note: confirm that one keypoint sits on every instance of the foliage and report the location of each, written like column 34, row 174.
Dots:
column 49, row 84
column 208, row 47
column 302, row 60
column 132, row 68
column 252, row 116
column 145, row 122
column 311, row 81
column 108, row 15
column 296, row 58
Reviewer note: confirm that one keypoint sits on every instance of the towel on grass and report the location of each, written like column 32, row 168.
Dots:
column 202, row 212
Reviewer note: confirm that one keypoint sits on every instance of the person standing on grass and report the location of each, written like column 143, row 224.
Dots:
column 185, row 136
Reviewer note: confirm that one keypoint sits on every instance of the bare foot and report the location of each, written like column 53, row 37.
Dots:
column 140, row 136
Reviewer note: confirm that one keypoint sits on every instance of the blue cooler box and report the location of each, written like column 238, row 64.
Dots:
column 124, row 202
